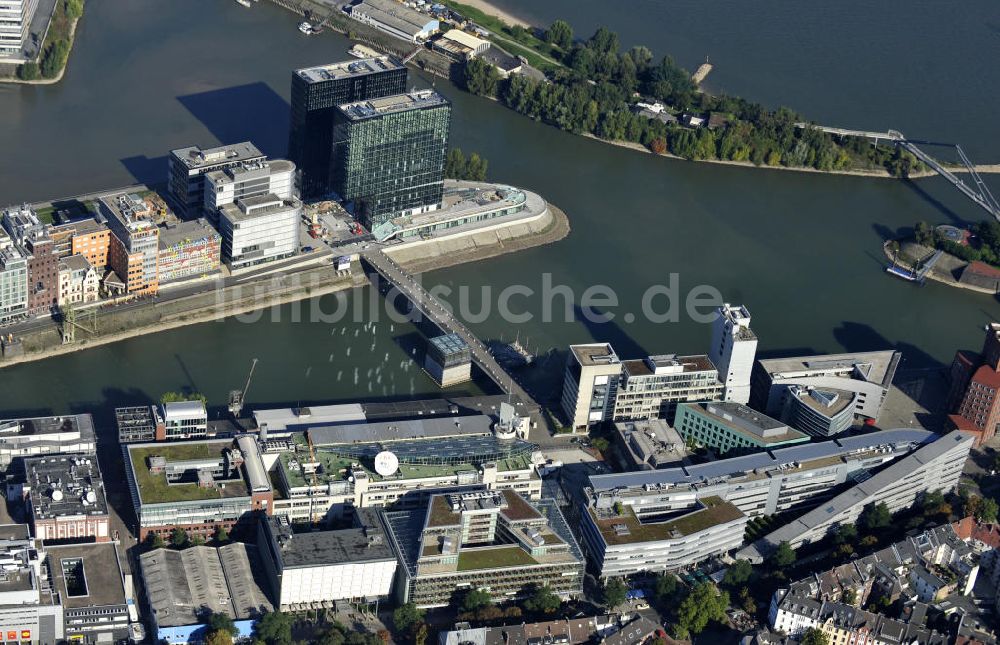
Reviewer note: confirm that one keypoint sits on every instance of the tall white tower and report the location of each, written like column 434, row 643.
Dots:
column 733, row 350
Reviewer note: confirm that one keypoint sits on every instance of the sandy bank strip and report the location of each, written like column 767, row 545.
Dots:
column 875, row 174
column 934, row 275
column 487, row 7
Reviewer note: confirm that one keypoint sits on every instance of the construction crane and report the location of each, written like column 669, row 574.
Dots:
column 312, row 460
column 238, row 397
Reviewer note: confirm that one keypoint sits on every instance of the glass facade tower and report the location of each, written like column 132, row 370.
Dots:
column 316, row 93
column 389, row 153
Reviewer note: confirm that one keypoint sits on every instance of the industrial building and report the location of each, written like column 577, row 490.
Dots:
column 248, row 179
column 935, row 466
column 34, row 436
column 181, row 586
column 459, row 45
column 187, row 168
column 134, row 249
column 448, row 360
column 792, row 478
column 334, row 468
column 317, row 568
column 860, row 380
column 621, row 543
column 259, row 229
column 199, row 486
column 394, row 18
column 492, row 539
column 315, row 94
column 66, row 499
column 726, row 427
column 733, row 349
column 388, row 155
column 190, row 249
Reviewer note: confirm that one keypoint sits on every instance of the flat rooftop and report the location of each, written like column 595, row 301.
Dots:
column 652, row 442
column 101, row 573
column 388, row 431
column 195, row 158
column 875, row 366
column 183, row 232
column 73, row 424
column 629, row 529
column 594, row 354
column 348, row 69
column 765, row 460
column 313, row 416
column 155, row 489
column 747, row 421
column 668, row 363
column 248, row 208
column 423, row 99
column 319, row 548
column 65, row 485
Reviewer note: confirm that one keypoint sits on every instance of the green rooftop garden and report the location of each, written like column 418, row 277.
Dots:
column 492, row 558
column 154, row 489
column 715, row 511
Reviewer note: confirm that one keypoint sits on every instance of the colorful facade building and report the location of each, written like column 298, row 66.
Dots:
column 188, row 250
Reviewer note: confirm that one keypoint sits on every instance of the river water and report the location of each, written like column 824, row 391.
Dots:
column 801, row 250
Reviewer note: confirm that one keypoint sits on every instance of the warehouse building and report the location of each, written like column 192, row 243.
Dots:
column 395, row 18
column 320, row 568
column 182, row 586
column 484, row 539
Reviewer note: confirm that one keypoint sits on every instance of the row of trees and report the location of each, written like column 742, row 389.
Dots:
column 593, row 95
column 179, row 539
column 457, row 166
column 55, row 49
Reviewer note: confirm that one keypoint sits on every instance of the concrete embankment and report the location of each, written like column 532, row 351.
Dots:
column 140, row 319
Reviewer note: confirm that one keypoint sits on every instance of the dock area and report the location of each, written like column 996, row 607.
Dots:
column 699, row 75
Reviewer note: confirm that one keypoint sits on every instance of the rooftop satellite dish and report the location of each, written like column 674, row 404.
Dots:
column 386, row 463
column 57, row 495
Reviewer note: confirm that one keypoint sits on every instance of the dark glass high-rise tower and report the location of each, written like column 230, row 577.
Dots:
column 389, row 153
column 316, row 93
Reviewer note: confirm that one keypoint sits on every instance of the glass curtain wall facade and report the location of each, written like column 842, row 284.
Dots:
column 316, row 93
column 390, row 162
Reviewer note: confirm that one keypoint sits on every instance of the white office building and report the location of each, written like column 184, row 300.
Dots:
column 13, row 282
column 259, row 229
column 592, row 373
column 355, row 564
column 15, row 24
column 188, row 167
column 185, row 420
column 249, row 179
column 935, row 466
column 733, row 350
